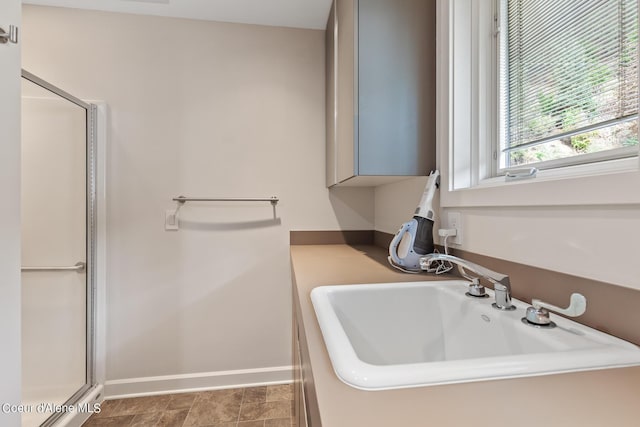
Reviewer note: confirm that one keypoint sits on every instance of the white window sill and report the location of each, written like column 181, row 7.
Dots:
column 607, row 183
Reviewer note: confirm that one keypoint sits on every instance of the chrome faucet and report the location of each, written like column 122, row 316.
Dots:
column 501, row 283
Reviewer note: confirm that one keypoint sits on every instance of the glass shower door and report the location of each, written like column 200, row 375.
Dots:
column 56, row 289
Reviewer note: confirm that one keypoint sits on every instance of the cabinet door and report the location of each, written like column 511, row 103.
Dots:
column 330, row 70
column 300, row 411
column 396, row 87
column 345, row 90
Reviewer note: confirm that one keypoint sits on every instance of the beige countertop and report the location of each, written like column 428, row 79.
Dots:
column 595, row 398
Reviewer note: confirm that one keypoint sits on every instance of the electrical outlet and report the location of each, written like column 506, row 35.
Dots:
column 170, row 220
column 454, row 219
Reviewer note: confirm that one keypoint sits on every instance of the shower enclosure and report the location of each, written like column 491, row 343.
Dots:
column 58, row 249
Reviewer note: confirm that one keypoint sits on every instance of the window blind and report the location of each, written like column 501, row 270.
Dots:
column 571, row 67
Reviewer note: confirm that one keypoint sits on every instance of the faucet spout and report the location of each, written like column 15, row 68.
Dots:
column 501, row 282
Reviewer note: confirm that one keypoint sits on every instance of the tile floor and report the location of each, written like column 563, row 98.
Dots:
column 265, row 406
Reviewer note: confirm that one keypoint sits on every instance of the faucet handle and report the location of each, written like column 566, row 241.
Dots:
column 538, row 314
column 577, row 306
column 476, row 290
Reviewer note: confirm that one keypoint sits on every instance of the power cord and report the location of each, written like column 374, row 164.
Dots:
column 441, row 266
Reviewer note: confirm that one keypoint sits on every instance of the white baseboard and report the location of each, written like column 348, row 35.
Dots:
column 149, row 386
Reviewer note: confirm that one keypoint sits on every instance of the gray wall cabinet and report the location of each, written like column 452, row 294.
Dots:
column 380, row 59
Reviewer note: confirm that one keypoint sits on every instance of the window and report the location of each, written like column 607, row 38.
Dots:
column 474, row 109
column 568, row 85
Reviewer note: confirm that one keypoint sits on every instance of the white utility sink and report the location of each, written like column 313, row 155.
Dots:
column 395, row 335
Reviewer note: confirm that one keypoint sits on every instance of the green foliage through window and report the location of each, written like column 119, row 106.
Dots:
column 571, row 78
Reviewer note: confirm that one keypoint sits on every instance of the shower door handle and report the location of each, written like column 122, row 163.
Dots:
column 78, row 266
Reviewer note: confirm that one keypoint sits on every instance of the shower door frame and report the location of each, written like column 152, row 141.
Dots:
column 91, row 236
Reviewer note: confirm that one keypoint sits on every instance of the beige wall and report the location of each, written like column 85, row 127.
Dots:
column 201, row 109
column 597, row 242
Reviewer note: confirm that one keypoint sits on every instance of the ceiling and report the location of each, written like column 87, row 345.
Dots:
column 281, row 13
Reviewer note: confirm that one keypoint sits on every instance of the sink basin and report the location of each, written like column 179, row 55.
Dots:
column 396, row 335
